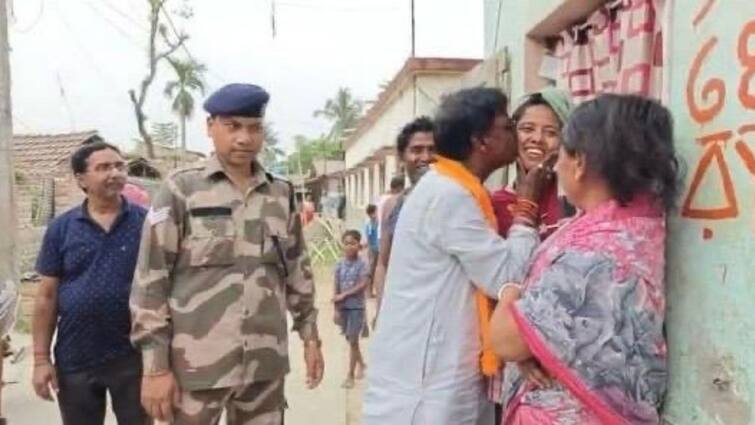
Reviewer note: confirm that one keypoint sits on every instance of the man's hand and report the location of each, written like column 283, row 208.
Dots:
column 534, row 374
column 314, row 362
column 160, row 395
column 537, row 179
column 338, row 298
column 44, row 379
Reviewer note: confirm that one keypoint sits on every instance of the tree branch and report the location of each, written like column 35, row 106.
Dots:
column 154, row 57
column 172, row 47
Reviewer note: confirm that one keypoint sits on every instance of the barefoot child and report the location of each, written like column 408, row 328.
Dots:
column 351, row 279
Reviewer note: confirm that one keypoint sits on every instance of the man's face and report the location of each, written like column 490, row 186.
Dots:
column 419, row 153
column 105, row 174
column 500, row 142
column 237, row 140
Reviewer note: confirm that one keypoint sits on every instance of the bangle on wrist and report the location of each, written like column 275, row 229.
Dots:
column 508, row 285
column 525, row 211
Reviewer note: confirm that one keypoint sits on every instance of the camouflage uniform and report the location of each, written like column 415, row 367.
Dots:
column 217, row 270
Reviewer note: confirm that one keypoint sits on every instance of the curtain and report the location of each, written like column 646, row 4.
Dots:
column 618, row 49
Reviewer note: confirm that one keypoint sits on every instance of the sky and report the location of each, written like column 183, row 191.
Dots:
column 73, row 61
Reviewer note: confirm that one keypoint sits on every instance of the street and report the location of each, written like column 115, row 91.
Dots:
column 328, row 404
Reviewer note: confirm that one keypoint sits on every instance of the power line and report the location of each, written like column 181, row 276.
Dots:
column 186, row 48
column 115, row 26
column 123, row 14
column 66, row 103
column 176, row 33
column 109, row 82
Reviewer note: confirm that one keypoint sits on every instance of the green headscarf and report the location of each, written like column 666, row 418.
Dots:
column 558, row 99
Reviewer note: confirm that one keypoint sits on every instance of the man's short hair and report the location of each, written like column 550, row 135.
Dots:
column 371, row 209
column 419, row 125
column 353, row 233
column 95, row 138
column 397, row 182
column 463, row 115
column 82, row 154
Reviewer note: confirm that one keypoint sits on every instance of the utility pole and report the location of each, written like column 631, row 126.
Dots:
column 414, row 51
column 8, row 270
column 7, row 207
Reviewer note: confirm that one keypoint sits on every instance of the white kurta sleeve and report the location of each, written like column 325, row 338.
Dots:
column 458, row 227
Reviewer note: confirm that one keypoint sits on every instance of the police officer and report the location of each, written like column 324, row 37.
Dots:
column 222, row 258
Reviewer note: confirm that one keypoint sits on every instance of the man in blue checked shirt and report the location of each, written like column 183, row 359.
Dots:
column 87, row 263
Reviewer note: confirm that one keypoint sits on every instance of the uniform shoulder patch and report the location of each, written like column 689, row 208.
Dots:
column 158, row 215
column 187, row 170
column 276, row 177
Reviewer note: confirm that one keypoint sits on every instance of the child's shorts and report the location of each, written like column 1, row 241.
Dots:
column 352, row 322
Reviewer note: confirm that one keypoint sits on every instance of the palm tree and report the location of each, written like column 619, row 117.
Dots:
column 344, row 111
column 188, row 80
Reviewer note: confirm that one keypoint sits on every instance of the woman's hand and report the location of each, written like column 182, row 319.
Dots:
column 537, row 179
column 534, row 374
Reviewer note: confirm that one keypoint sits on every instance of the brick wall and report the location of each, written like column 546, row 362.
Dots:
column 35, row 206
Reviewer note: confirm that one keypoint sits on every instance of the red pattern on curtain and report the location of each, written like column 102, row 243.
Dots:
column 619, row 49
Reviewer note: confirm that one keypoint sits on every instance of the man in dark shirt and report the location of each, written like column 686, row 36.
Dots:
column 87, row 263
column 415, row 146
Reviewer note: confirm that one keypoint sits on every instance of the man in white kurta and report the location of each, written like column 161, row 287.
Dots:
column 425, row 354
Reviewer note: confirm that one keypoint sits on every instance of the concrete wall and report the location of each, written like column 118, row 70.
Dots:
column 372, row 178
column 384, row 131
column 430, row 89
column 711, row 268
column 508, row 30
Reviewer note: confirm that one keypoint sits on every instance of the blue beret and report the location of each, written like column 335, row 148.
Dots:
column 244, row 100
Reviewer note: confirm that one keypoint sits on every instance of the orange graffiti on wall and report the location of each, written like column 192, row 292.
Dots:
column 703, row 12
column 714, row 86
column 747, row 60
column 713, row 99
column 714, row 144
column 744, row 151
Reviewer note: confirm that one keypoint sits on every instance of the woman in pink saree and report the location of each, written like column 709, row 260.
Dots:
column 583, row 334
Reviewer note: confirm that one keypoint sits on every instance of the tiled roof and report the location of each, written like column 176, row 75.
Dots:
column 42, row 153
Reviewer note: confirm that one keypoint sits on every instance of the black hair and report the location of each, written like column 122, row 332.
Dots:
column 419, row 125
column 535, row 99
column 353, row 233
column 82, row 154
column 95, row 138
column 371, row 209
column 463, row 115
column 629, row 141
column 397, row 182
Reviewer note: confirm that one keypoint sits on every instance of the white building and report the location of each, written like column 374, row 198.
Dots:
column 371, row 159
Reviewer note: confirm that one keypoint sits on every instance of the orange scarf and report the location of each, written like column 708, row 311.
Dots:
column 489, row 363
